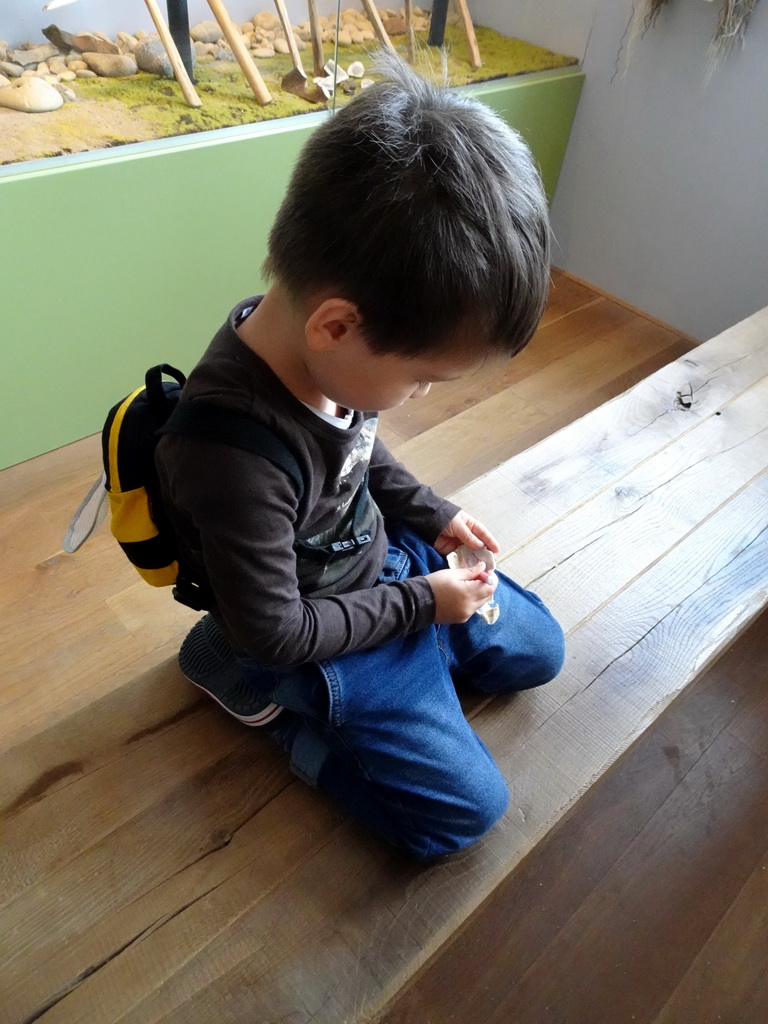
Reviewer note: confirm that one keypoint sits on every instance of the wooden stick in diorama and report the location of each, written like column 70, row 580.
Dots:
column 296, row 81
column 237, row 46
column 316, row 33
column 469, row 31
column 190, row 95
column 378, row 25
column 409, row 29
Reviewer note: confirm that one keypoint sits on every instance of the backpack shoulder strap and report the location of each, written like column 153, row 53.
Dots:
column 210, row 422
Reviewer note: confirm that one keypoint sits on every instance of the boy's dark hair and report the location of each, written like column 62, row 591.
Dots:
column 424, row 208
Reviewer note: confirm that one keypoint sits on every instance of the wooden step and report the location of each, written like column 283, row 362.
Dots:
column 160, row 863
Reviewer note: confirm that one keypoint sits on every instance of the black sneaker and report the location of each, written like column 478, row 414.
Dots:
column 208, row 662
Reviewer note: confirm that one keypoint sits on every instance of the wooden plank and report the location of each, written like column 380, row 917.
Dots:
column 397, row 912
column 736, row 989
column 636, row 425
column 492, row 455
column 590, row 328
column 595, row 961
column 148, row 898
column 550, row 885
column 648, row 510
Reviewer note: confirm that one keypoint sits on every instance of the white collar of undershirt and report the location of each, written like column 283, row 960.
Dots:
column 336, row 421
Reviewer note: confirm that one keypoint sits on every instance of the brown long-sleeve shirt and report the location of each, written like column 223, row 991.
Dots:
column 237, row 516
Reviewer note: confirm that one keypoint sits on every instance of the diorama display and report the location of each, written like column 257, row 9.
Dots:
column 97, row 90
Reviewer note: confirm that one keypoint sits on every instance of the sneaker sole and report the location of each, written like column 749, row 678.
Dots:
column 264, row 717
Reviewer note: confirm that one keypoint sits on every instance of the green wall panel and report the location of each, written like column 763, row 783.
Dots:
column 116, row 260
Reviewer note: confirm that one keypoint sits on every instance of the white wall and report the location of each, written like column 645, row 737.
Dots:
column 560, row 25
column 22, row 20
column 663, row 196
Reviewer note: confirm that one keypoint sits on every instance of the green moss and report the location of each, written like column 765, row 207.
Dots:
column 154, row 108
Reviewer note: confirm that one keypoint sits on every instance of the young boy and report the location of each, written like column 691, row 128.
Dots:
column 411, row 247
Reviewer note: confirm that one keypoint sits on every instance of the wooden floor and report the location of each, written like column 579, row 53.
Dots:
column 649, row 901
column 84, row 642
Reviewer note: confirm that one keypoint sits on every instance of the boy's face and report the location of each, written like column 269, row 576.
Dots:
column 356, row 377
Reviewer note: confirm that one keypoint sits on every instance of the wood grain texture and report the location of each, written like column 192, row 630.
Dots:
column 159, row 863
column 650, row 891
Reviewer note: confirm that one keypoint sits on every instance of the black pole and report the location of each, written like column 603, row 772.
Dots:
column 178, row 23
column 437, row 24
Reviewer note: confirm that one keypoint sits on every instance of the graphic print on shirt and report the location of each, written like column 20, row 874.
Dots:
column 361, row 453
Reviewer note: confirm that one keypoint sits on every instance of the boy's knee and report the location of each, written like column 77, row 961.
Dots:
column 468, row 818
column 548, row 654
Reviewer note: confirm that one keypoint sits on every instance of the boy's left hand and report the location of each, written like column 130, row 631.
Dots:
column 463, row 529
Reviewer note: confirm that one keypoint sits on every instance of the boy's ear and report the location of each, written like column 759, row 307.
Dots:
column 332, row 323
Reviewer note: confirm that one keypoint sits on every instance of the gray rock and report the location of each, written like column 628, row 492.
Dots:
column 151, row 56
column 4, row 81
column 32, row 95
column 60, row 39
column 111, row 65
column 85, row 73
column 57, row 65
column 36, row 56
column 263, row 52
column 69, row 94
column 10, row 69
column 223, row 53
column 206, row 32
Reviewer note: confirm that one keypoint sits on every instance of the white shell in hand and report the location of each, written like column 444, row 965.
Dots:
column 464, row 558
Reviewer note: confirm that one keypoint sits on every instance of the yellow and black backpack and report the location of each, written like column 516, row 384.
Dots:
column 129, row 484
column 129, row 438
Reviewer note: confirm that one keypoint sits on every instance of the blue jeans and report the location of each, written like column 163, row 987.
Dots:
column 381, row 731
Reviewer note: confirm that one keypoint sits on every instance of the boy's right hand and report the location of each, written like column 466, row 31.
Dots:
column 460, row 592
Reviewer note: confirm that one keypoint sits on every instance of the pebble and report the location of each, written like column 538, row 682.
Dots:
column 265, row 19
column 69, row 94
column 78, row 65
column 35, row 56
column 3, row 50
column 394, row 26
column 4, row 81
column 223, row 53
column 32, row 95
column 31, row 73
column 57, row 65
column 263, row 52
column 206, row 32
column 356, row 69
column 127, row 42
column 85, row 73
column 150, row 56
column 281, row 46
column 94, row 42
column 358, row 37
column 366, row 83
column 199, row 48
column 111, row 65
column 43, row 69
column 67, row 76
column 345, row 39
